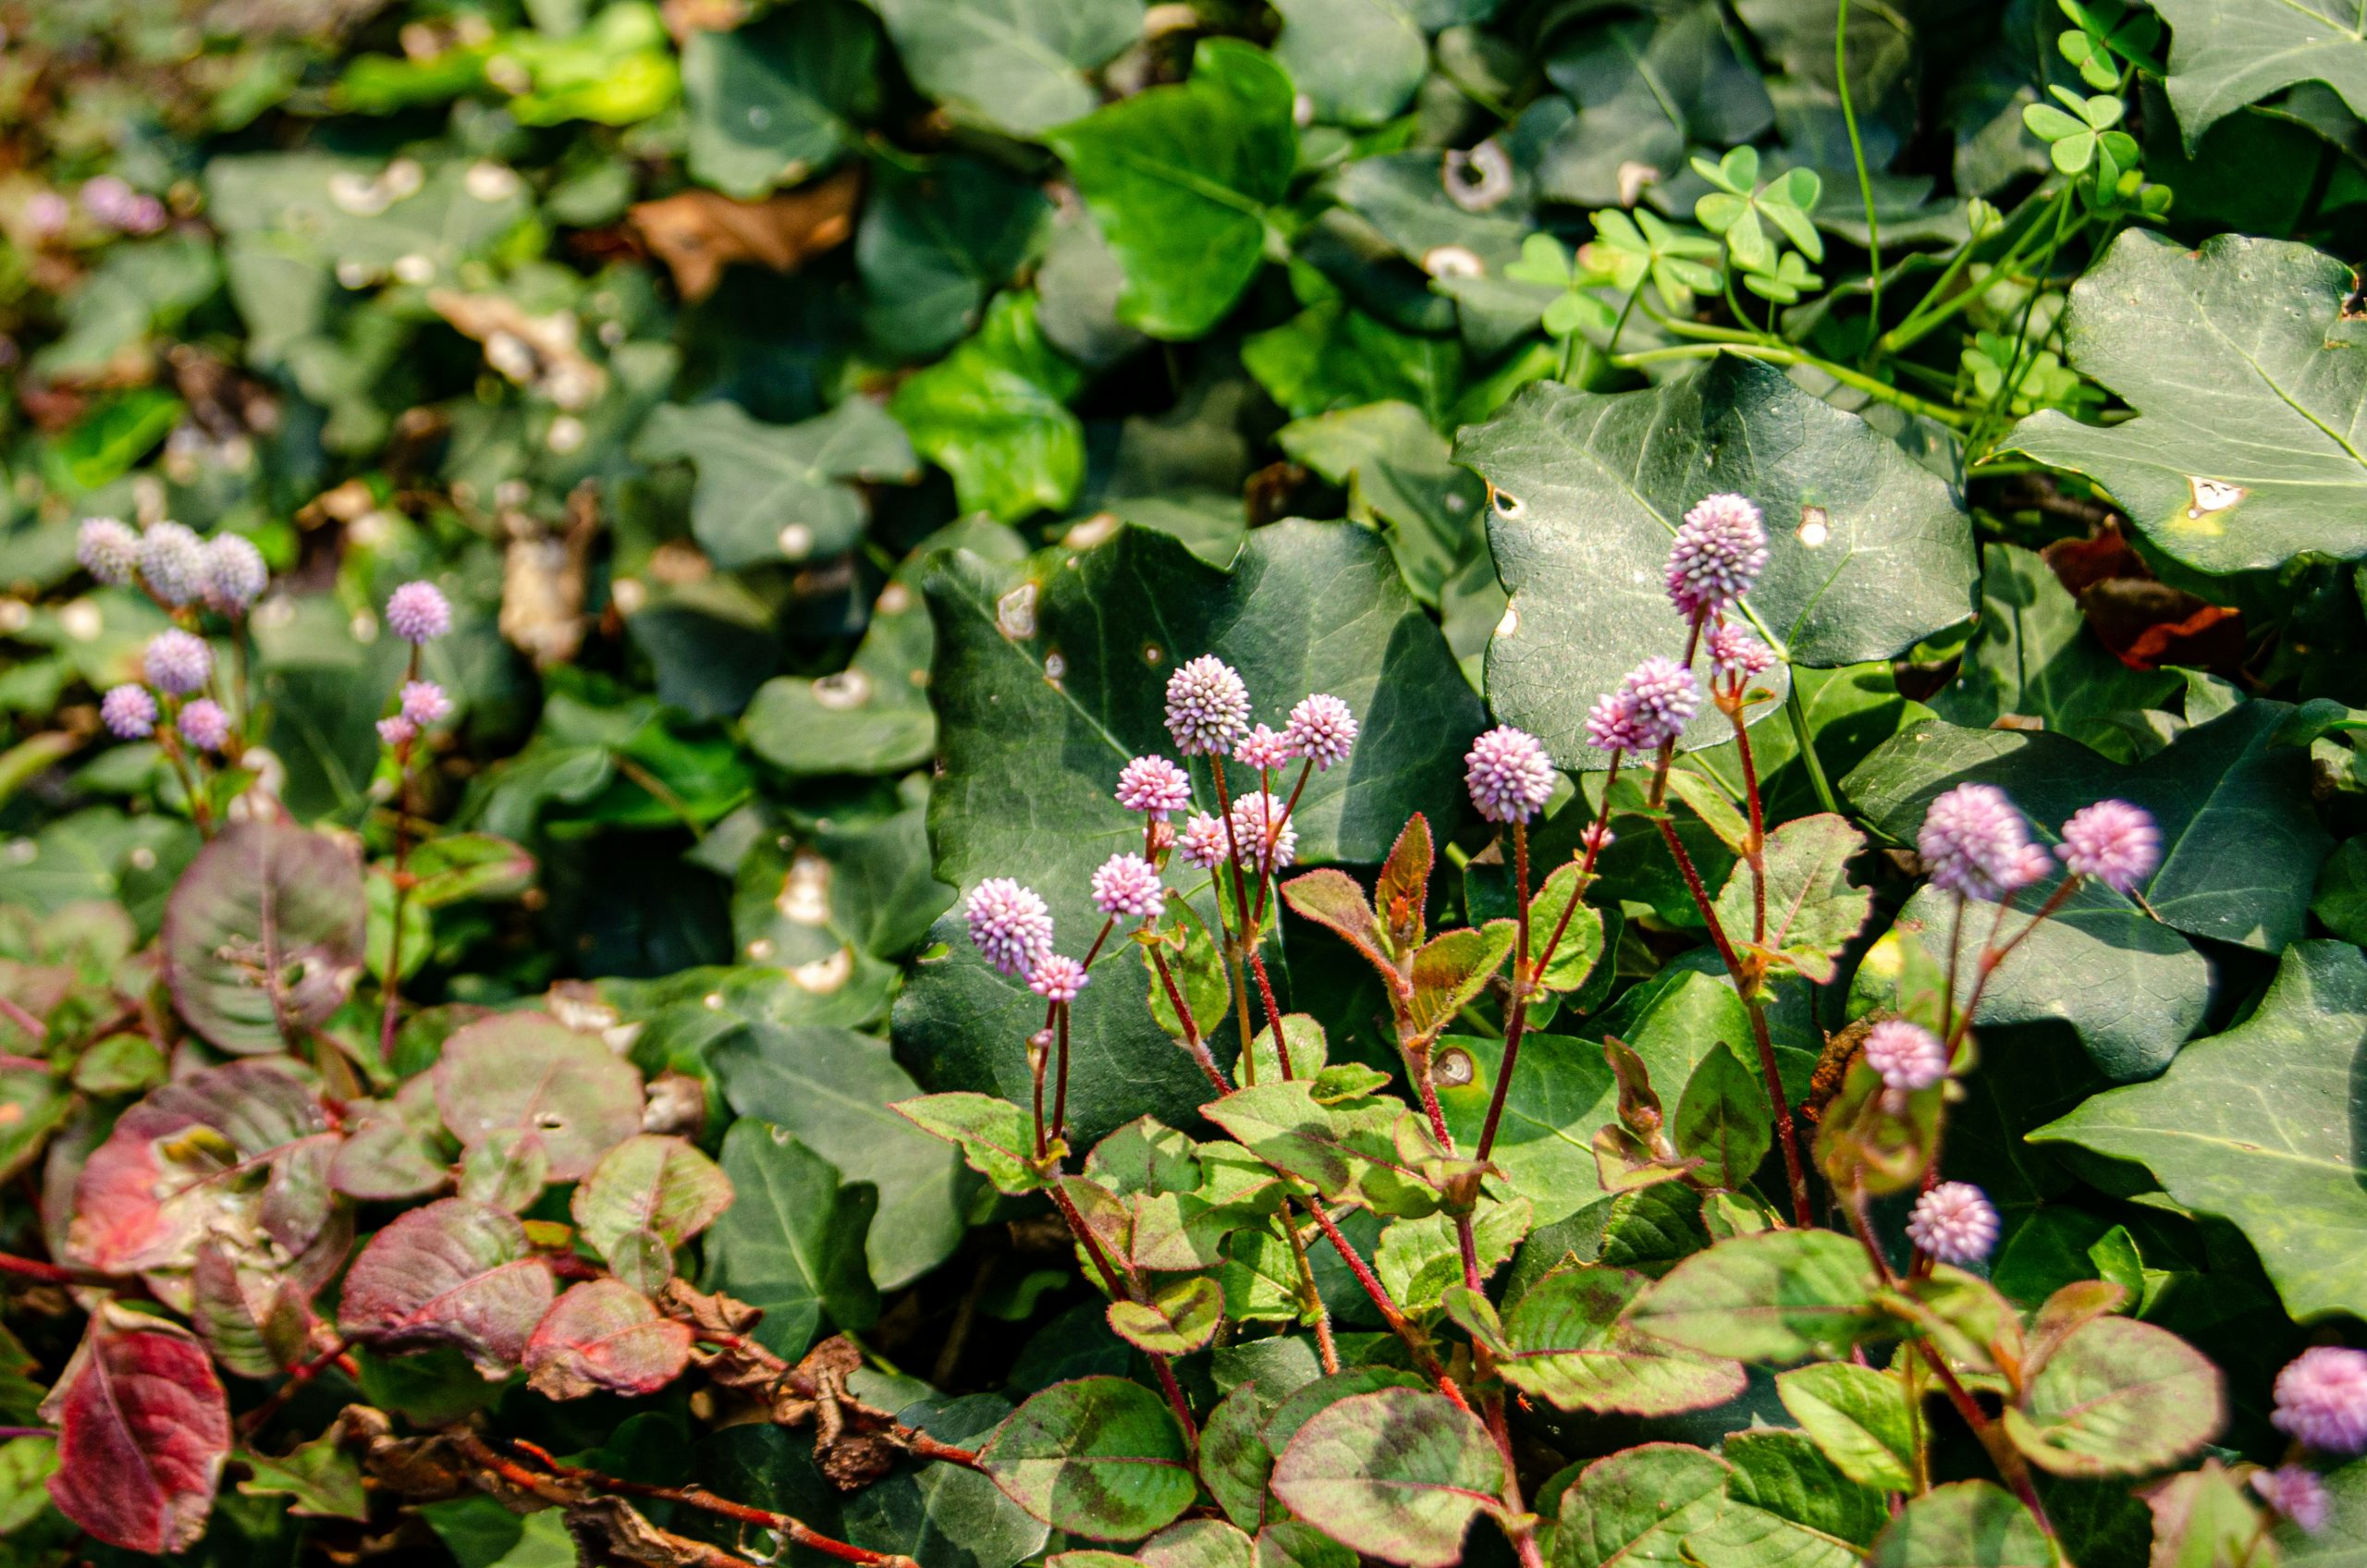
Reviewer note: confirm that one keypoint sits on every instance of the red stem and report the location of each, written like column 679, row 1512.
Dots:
column 403, row 858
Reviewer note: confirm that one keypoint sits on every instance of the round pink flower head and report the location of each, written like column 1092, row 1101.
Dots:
column 1203, row 841
column 47, row 214
column 173, row 560
column 1321, row 730
column 1973, row 842
column 146, row 214
column 1953, row 1223
column 2321, row 1400
column 108, row 199
column 2296, row 1491
column 108, row 550
column 1907, row 1055
column 1154, row 785
column 1263, row 748
column 1509, row 774
column 418, row 612
column 129, row 711
column 178, row 662
column 235, row 574
column 1261, row 822
column 2113, row 842
column 1661, row 698
column 1127, row 887
column 1056, row 979
column 1733, row 651
column 424, row 702
column 1611, row 724
column 204, row 725
column 1208, row 708
column 1010, row 924
column 1721, row 549
column 396, row 729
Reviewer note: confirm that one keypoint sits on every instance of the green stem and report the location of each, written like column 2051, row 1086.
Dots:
column 1799, row 717
column 1865, row 179
column 1880, row 391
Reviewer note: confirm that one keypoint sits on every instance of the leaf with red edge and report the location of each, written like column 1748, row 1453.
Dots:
column 263, row 935
column 530, row 1073
column 1333, row 900
column 391, row 1146
column 455, row 1272
column 646, row 1197
column 1454, row 966
column 1404, row 890
column 143, row 1430
column 210, row 1153
column 602, row 1334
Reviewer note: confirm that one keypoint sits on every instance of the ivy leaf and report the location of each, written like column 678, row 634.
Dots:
column 1636, row 1506
column 1561, row 1092
column 1100, row 1457
column 774, row 492
column 1179, row 179
column 1013, row 65
column 2241, row 359
column 770, row 103
column 2118, row 1397
column 1396, row 1474
column 263, row 935
column 1050, row 677
column 528, row 1074
column 604, row 1335
column 1778, row 1295
column 1963, row 1525
column 1857, row 1419
column 457, row 1273
column 649, row 1186
column 2224, row 54
column 2034, row 655
column 838, row 1091
column 1358, row 61
column 1869, row 552
column 1180, row 1319
column 791, row 1241
column 2231, row 804
column 1569, row 1343
column 1722, row 1119
column 1812, row 909
column 143, row 1430
column 992, row 415
column 2254, row 1126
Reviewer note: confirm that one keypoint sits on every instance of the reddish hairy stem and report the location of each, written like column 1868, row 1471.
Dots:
column 1382, row 1301
column 394, row 986
column 1192, row 1041
column 47, row 1273
column 1121, row 1288
column 1312, row 1302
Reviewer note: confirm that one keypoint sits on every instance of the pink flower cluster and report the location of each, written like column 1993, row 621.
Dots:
column 1974, row 842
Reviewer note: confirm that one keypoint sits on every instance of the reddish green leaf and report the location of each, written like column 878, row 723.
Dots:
column 1779, row 1296
column 469, row 865
column 993, row 1134
column 1636, row 1506
column 605, row 1335
column 455, row 1272
column 205, row 1154
column 1451, row 968
column 263, row 935
column 646, row 1187
column 1396, row 1474
column 143, row 1430
column 1569, row 1345
column 1179, row 1319
column 2118, row 1397
column 1963, row 1525
column 528, row 1073
column 1402, row 894
column 1100, row 1457
column 1333, row 900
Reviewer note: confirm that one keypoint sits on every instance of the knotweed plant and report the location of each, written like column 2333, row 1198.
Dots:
column 1881, row 1311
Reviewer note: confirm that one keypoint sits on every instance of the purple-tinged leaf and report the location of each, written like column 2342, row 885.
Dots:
column 204, row 1153
column 508, row 1170
column 1451, row 968
column 1178, row 1320
column 256, row 1318
column 1963, row 1522
column 605, row 1335
column 143, row 1430
column 1333, row 900
column 1636, row 1506
column 1402, row 891
column 455, row 1272
column 2119, row 1397
column 528, row 1073
column 1396, row 1474
column 263, row 935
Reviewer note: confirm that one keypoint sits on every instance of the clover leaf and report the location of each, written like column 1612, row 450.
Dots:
column 1735, row 207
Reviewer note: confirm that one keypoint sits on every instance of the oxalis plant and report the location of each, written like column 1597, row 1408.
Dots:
column 1882, row 1341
